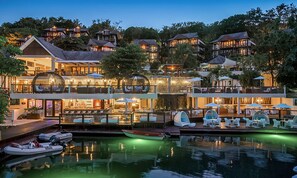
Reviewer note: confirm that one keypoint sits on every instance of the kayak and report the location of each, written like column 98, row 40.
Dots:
column 31, row 148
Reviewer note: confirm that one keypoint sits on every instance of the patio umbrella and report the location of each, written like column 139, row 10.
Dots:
column 283, row 106
column 196, row 79
column 126, row 101
column 259, row 78
column 254, row 105
column 212, row 105
column 95, row 75
column 224, row 78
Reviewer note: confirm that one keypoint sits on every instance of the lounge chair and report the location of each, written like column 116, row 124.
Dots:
column 206, row 122
column 276, row 123
column 227, row 122
column 181, row 119
column 236, row 122
column 248, row 122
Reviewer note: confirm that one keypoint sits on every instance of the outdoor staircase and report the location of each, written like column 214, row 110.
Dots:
column 9, row 116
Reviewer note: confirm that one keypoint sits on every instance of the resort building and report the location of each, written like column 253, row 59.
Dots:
column 100, row 45
column 54, row 32
column 109, row 35
column 188, row 38
column 150, row 47
column 58, row 80
column 232, row 45
column 61, row 82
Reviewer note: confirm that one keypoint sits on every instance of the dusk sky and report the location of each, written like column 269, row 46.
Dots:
column 149, row 13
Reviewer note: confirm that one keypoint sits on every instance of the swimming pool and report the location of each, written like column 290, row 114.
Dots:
column 189, row 156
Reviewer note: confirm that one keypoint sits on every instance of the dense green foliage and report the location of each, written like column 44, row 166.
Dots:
column 9, row 67
column 273, row 31
column 123, row 62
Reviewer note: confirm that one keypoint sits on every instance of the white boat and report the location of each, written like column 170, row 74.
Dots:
column 32, row 148
column 55, row 135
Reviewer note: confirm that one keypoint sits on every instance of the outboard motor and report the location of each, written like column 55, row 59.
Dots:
column 54, row 140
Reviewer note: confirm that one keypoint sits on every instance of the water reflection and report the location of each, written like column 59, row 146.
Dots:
column 190, row 156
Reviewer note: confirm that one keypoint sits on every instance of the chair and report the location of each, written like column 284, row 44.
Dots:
column 206, row 122
column 248, row 122
column 218, row 122
column 291, row 123
column 236, row 122
column 227, row 122
column 262, row 123
column 276, row 123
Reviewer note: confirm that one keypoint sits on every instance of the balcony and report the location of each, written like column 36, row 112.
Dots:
column 234, row 91
column 19, row 91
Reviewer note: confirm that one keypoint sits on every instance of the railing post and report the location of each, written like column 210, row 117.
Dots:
column 285, row 90
column 107, row 119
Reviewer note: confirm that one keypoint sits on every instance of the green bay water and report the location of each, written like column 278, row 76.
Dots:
column 189, row 156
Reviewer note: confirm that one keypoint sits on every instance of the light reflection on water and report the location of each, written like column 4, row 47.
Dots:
column 189, row 156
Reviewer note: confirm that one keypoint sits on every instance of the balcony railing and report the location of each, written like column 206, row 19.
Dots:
column 81, row 89
column 235, row 89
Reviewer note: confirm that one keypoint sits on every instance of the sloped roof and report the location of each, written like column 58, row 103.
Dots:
column 220, row 60
column 54, row 50
column 145, row 41
column 84, row 55
column 110, row 31
column 101, row 43
column 184, row 36
column 56, row 29
column 67, row 55
column 232, row 36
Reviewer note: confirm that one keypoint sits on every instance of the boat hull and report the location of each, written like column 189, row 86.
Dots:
column 58, row 135
column 144, row 135
column 26, row 150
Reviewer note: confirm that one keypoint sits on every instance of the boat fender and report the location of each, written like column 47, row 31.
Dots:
column 54, row 140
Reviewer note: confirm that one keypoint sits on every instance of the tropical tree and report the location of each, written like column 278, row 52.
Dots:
column 184, row 55
column 287, row 74
column 124, row 62
column 247, row 77
column 10, row 66
column 4, row 104
column 132, row 33
column 70, row 43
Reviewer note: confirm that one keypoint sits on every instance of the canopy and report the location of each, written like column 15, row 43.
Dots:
column 283, row 106
column 211, row 114
column 196, row 79
column 254, row 105
column 259, row 78
column 212, row 105
column 224, row 78
column 95, row 75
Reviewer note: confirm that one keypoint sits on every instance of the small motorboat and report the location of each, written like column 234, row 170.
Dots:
column 23, row 159
column 144, row 134
column 32, row 148
column 55, row 136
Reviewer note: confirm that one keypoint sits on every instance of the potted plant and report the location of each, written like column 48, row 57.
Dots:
column 33, row 113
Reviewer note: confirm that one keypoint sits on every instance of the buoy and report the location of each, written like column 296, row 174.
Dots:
column 295, row 169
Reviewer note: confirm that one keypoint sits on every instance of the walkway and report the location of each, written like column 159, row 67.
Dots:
column 29, row 127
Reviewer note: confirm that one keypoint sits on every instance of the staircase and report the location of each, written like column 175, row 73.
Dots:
column 9, row 116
